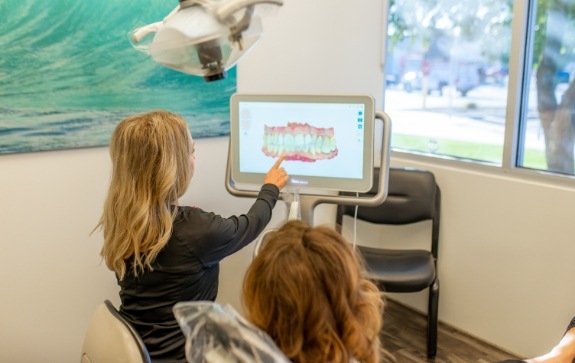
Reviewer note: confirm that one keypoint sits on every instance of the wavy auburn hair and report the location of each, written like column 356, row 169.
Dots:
column 150, row 155
column 306, row 289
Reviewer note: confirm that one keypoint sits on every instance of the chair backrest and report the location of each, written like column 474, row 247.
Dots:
column 111, row 339
column 413, row 196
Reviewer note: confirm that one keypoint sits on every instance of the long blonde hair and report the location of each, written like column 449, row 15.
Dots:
column 150, row 155
column 306, row 288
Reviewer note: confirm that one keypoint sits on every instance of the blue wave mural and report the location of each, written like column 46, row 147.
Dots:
column 68, row 75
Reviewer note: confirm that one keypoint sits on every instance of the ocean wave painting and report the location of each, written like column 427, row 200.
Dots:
column 68, row 75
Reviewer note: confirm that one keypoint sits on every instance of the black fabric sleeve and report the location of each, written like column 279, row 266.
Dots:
column 226, row 236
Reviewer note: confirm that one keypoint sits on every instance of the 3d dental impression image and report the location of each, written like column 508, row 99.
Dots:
column 299, row 141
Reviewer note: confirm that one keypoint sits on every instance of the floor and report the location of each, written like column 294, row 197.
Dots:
column 403, row 335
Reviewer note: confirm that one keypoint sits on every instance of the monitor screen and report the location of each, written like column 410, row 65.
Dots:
column 327, row 140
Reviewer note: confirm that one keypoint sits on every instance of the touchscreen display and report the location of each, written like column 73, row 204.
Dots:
column 327, row 140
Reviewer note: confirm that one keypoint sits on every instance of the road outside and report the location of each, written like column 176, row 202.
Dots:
column 479, row 117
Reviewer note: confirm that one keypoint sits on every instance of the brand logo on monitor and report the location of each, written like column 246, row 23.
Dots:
column 299, row 182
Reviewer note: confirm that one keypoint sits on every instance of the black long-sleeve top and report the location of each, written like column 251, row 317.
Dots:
column 187, row 269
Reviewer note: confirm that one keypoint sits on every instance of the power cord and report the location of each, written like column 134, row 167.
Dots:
column 354, row 242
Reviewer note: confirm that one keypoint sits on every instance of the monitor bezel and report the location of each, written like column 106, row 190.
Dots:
column 305, row 184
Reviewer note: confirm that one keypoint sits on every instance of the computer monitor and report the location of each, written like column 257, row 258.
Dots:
column 327, row 140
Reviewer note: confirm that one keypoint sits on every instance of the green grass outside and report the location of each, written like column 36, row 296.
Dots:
column 465, row 150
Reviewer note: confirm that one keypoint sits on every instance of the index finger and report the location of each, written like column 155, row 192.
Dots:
column 279, row 161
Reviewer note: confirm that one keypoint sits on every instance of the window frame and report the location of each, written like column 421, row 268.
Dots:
column 522, row 38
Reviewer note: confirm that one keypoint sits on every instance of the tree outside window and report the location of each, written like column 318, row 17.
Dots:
column 447, row 80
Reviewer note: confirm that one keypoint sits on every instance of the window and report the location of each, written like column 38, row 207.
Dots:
column 550, row 92
column 485, row 81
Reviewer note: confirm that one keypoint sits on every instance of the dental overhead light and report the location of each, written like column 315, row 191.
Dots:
column 202, row 37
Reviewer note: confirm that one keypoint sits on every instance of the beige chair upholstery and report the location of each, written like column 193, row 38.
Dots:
column 111, row 339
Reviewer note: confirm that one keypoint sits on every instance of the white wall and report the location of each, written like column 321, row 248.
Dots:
column 505, row 243
column 49, row 265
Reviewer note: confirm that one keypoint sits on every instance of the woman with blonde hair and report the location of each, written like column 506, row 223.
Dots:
column 306, row 288
column 163, row 253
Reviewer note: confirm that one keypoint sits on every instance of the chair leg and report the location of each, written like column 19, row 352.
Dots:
column 432, row 319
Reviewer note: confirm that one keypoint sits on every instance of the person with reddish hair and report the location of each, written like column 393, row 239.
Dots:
column 307, row 289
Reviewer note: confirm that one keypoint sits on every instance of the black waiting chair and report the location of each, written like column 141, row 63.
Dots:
column 413, row 196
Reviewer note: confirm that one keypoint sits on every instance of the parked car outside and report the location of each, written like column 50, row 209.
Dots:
column 462, row 76
column 413, row 81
